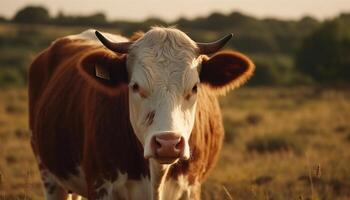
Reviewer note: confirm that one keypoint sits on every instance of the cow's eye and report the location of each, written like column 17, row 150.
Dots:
column 135, row 87
column 194, row 89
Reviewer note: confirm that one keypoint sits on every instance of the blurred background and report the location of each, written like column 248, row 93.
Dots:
column 287, row 130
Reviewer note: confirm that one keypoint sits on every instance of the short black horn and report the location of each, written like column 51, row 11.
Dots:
column 119, row 47
column 213, row 47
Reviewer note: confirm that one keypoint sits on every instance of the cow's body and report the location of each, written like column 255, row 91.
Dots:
column 84, row 142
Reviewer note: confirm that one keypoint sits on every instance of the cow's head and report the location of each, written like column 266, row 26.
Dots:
column 164, row 69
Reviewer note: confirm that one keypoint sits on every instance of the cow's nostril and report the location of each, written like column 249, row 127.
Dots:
column 180, row 144
column 158, row 144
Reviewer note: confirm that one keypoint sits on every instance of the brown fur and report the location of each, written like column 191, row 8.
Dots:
column 76, row 122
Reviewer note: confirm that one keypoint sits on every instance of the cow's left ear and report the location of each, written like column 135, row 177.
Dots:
column 226, row 70
column 104, row 70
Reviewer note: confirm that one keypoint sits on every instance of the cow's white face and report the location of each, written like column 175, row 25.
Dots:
column 163, row 69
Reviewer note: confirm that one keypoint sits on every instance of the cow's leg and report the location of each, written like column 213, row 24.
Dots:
column 194, row 192
column 180, row 189
column 52, row 190
column 74, row 197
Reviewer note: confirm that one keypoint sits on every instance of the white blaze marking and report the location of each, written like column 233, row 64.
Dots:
column 164, row 62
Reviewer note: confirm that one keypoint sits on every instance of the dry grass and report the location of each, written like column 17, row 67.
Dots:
column 316, row 120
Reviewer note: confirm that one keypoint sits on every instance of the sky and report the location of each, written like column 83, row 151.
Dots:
column 173, row 9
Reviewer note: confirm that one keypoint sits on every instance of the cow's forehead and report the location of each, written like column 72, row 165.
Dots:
column 164, row 45
column 163, row 38
column 163, row 53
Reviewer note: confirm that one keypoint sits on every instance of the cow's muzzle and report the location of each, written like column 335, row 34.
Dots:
column 167, row 147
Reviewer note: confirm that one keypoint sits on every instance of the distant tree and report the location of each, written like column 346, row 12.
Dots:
column 32, row 15
column 325, row 54
column 265, row 74
column 97, row 19
column 3, row 19
column 307, row 23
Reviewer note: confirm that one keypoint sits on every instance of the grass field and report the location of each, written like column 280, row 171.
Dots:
column 281, row 143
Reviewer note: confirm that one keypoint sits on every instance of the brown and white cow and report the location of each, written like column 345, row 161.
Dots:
column 139, row 122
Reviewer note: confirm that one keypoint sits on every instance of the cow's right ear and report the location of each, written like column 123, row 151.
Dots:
column 105, row 71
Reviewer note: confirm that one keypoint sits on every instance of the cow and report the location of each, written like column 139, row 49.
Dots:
column 138, row 118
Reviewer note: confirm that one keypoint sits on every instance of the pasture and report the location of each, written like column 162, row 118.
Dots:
column 281, row 143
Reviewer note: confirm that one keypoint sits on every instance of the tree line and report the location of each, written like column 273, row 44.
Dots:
column 286, row 52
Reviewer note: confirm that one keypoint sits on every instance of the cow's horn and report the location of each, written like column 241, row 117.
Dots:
column 213, row 47
column 119, row 47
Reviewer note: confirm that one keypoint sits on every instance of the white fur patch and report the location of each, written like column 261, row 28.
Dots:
column 122, row 188
column 75, row 183
column 52, row 190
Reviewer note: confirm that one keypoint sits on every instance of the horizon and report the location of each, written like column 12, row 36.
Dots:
column 138, row 11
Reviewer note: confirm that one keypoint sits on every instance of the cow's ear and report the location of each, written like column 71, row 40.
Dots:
column 105, row 71
column 226, row 70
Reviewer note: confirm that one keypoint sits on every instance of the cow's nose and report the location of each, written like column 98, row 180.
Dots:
column 168, row 146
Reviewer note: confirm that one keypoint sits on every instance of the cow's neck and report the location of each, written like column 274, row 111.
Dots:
column 158, row 176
